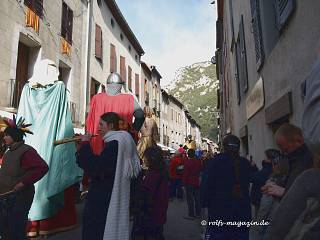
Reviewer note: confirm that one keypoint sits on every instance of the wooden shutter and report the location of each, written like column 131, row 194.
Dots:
column 137, row 85
column 237, row 70
column 257, row 33
column 284, row 9
column 231, row 20
column 66, row 23
column 98, row 42
column 35, row 5
column 243, row 57
column 219, row 27
column 29, row 3
column 38, row 7
column 129, row 78
column 64, row 19
column 113, row 59
column 70, row 26
column 123, row 68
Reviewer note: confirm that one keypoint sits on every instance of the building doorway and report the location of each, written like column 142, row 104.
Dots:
column 27, row 57
column 22, row 71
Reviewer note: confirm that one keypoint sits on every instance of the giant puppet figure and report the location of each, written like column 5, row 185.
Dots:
column 46, row 107
column 124, row 104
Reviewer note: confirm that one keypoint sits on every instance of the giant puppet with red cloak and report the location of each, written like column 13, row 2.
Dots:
column 124, row 104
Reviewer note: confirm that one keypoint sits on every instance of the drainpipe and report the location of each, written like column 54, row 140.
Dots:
column 87, row 58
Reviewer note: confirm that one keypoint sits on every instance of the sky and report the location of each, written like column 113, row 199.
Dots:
column 173, row 33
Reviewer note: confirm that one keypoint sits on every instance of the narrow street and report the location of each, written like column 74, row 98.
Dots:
column 176, row 228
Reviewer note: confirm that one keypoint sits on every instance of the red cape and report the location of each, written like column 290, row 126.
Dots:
column 122, row 104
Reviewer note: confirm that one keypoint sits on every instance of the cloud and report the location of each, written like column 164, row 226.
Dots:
column 173, row 34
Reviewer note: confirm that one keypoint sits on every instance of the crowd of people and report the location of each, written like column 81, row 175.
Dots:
column 130, row 182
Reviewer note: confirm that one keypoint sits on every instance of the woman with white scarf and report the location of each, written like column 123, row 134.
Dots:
column 106, row 213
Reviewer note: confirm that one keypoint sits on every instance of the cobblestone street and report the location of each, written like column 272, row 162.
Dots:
column 176, row 228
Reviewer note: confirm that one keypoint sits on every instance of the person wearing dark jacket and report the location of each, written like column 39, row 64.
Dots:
column 21, row 168
column 225, row 192
column 107, row 205
column 290, row 140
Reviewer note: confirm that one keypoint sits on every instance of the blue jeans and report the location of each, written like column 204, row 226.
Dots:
column 176, row 188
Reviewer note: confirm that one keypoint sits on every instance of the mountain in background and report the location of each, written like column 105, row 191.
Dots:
column 196, row 87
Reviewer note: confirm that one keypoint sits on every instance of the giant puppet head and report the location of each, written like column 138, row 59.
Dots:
column 114, row 84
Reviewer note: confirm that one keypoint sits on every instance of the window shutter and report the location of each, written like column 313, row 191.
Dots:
column 38, row 7
column 219, row 27
column 113, row 59
column 98, row 42
column 123, row 68
column 64, row 19
column 237, row 70
column 137, row 85
column 257, row 32
column 284, row 10
column 243, row 58
column 69, row 25
column 129, row 78
column 29, row 3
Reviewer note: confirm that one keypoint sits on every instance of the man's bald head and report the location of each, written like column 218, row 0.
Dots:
column 289, row 137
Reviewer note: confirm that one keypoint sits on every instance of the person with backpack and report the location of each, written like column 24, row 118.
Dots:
column 176, row 168
column 154, row 195
column 191, row 182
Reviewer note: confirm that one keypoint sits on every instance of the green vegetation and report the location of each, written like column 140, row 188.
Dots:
column 196, row 87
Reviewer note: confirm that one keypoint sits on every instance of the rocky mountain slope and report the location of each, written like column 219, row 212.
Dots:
column 196, row 87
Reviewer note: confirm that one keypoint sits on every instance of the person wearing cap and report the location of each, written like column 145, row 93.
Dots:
column 21, row 168
column 225, row 192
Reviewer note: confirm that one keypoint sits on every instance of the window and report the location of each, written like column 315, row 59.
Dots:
column 99, row 3
column 236, row 77
column 129, row 48
column 121, row 36
column 137, row 86
column 113, row 59
column 231, row 22
column 130, row 78
column 241, row 62
column 98, row 43
column 66, row 23
column 112, row 22
column 284, row 10
column 257, row 34
column 94, row 87
column 123, row 68
column 35, row 5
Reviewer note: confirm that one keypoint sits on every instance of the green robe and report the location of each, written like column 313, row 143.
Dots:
column 47, row 110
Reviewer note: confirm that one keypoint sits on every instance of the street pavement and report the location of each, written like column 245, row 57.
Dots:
column 176, row 228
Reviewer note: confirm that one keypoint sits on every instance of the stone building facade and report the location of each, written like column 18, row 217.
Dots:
column 265, row 50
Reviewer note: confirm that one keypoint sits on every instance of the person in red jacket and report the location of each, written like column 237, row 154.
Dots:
column 191, row 182
column 176, row 170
